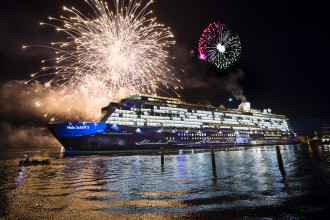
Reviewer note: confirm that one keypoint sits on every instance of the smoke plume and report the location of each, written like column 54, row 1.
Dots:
column 26, row 108
column 23, row 101
column 26, row 136
column 231, row 84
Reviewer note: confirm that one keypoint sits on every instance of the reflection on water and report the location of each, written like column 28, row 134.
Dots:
column 286, row 182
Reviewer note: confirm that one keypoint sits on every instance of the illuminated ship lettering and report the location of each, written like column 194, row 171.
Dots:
column 148, row 142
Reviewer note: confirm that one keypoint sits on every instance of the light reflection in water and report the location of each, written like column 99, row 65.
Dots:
column 110, row 185
column 20, row 177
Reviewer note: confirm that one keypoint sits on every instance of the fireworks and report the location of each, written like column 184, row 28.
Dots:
column 108, row 54
column 218, row 46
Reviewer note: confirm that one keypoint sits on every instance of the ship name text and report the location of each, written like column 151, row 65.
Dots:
column 78, row 127
column 148, row 142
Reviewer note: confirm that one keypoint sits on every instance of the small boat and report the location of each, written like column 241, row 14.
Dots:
column 28, row 162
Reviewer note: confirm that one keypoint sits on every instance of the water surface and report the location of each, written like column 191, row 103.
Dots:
column 247, row 183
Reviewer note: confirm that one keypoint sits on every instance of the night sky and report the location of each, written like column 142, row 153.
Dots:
column 283, row 65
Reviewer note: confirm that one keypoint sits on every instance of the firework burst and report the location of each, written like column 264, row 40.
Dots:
column 108, row 54
column 218, row 46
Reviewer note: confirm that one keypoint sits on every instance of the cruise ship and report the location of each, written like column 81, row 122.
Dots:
column 141, row 122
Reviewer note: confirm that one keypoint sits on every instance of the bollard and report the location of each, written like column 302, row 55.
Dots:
column 213, row 158
column 162, row 156
column 280, row 161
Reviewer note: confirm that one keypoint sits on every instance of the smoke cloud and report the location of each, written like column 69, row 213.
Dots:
column 231, row 84
column 23, row 101
column 17, row 108
column 26, row 136
column 26, row 108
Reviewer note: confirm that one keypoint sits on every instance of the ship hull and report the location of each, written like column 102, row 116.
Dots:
column 112, row 137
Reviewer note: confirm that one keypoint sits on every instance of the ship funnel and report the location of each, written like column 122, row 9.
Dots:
column 244, row 106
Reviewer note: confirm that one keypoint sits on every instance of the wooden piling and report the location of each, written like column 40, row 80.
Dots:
column 162, row 156
column 213, row 158
column 280, row 161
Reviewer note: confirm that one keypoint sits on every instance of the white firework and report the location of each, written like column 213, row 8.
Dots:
column 108, row 54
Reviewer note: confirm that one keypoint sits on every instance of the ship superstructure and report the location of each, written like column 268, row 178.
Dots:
column 145, row 122
column 325, row 135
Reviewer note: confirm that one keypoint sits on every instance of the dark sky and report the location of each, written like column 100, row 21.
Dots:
column 283, row 65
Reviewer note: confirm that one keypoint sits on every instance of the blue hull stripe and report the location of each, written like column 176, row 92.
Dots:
column 78, row 129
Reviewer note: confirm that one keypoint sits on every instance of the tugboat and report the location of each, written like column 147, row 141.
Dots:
column 28, row 162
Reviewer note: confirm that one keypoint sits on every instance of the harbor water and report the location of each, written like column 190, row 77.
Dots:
column 290, row 182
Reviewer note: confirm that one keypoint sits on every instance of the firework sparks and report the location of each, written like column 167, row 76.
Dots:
column 108, row 54
column 218, row 46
